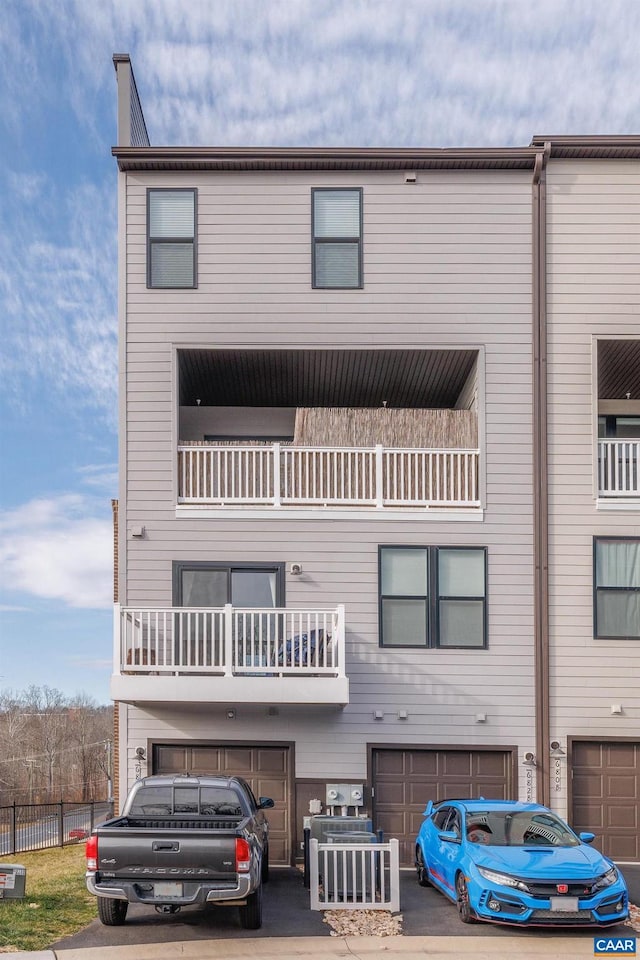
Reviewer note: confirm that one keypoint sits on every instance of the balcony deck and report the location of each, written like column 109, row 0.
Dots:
column 281, row 476
column 229, row 655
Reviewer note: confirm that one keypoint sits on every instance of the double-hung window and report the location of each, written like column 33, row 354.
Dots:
column 336, row 218
column 616, row 563
column 171, row 238
column 433, row 597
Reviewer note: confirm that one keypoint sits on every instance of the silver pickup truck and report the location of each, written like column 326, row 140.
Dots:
column 182, row 839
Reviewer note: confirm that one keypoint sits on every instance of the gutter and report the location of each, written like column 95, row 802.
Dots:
column 308, row 158
column 540, row 478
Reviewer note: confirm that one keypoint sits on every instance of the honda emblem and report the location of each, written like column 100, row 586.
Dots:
column 562, row 887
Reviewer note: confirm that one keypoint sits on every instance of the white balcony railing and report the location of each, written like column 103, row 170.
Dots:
column 280, row 476
column 619, row 468
column 230, row 642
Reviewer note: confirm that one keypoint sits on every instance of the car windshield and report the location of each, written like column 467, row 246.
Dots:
column 500, row 828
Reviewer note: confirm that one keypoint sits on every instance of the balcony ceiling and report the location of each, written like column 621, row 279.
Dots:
column 324, row 378
column 618, row 369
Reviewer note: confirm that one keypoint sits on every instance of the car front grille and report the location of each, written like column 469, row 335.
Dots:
column 544, row 889
column 553, row 916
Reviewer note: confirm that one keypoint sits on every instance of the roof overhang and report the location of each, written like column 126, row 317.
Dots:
column 591, row 147
column 325, row 158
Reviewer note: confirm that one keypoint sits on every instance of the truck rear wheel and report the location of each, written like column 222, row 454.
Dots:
column 251, row 912
column 112, row 912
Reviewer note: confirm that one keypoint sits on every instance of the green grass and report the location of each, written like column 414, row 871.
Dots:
column 56, row 903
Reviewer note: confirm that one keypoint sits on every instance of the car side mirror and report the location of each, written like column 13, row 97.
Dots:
column 428, row 809
column 587, row 837
column 265, row 803
column 449, row 836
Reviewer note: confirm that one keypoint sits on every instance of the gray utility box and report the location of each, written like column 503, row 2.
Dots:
column 348, row 872
column 323, row 825
column 13, row 877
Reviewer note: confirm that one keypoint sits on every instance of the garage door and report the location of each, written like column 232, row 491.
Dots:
column 403, row 781
column 266, row 769
column 606, row 795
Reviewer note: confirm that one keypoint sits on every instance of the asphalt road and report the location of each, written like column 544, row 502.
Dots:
column 286, row 913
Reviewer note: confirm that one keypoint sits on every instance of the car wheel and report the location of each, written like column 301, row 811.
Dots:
column 421, row 869
column 251, row 912
column 462, row 900
column 112, row 912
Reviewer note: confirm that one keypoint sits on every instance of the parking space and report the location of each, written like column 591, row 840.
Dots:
column 286, row 913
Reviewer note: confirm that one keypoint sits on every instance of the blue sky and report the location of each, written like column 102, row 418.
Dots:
column 227, row 72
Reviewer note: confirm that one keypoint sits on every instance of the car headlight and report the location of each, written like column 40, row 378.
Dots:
column 606, row 879
column 503, row 879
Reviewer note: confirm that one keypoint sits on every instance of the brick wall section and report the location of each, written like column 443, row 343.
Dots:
column 114, row 507
column 116, row 711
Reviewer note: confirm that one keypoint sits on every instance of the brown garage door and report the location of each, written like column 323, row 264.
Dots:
column 404, row 780
column 606, row 795
column 266, row 769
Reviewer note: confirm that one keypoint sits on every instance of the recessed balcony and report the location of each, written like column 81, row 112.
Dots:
column 229, row 655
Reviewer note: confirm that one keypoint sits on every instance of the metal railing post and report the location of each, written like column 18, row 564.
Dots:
column 313, row 867
column 117, row 652
column 228, row 640
column 379, row 467
column 277, row 492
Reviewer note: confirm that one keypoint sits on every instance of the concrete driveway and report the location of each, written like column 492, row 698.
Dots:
column 286, row 913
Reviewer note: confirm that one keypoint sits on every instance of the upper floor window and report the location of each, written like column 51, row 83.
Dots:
column 433, row 596
column 336, row 225
column 617, row 588
column 171, row 238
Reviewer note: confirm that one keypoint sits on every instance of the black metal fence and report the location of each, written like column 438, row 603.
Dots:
column 35, row 826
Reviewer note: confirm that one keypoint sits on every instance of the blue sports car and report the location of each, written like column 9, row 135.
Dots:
column 518, row 863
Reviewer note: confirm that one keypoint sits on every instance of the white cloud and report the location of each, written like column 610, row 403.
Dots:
column 57, row 288
column 58, row 549
column 429, row 72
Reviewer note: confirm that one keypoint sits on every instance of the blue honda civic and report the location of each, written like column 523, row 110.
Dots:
column 517, row 863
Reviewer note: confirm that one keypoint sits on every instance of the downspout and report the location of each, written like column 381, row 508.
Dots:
column 540, row 478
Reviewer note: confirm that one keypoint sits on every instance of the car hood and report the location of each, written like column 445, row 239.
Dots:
column 542, row 863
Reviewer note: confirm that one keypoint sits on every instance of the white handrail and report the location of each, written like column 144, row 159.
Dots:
column 230, row 641
column 619, row 468
column 279, row 475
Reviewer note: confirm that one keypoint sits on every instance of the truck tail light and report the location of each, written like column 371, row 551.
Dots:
column 91, row 853
column 243, row 855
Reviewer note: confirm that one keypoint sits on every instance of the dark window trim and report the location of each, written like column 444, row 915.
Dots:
column 608, row 539
column 439, row 597
column 358, row 240
column 433, row 599
column 194, row 241
column 179, row 566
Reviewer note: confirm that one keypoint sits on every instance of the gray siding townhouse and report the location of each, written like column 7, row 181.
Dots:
column 378, row 510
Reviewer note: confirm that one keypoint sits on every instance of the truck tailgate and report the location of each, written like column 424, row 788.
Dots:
column 167, row 853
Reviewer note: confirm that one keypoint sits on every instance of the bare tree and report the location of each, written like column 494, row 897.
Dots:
column 53, row 747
